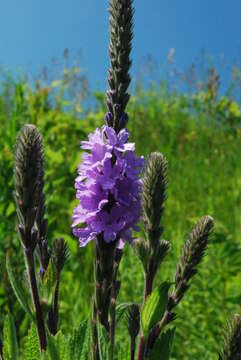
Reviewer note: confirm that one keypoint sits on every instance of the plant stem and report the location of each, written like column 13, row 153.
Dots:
column 148, row 285
column 1, row 349
column 56, row 300
column 112, row 312
column 95, row 355
column 156, row 331
column 133, row 348
column 141, row 348
column 112, row 324
column 54, row 312
column 115, row 288
column 147, row 292
column 35, row 296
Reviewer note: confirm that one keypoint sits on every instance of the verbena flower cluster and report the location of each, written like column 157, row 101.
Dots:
column 108, row 188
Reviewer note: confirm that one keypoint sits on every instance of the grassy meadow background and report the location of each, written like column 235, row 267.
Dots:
column 198, row 130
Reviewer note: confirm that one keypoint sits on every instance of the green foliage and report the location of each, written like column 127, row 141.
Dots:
column 57, row 347
column 154, row 307
column 75, row 346
column 105, row 348
column 49, row 280
column 163, row 347
column 31, row 345
column 121, row 310
column 18, row 290
column 79, row 343
column 10, row 345
column 201, row 138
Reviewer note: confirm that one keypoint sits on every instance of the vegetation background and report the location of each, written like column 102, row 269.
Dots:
column 199, row 131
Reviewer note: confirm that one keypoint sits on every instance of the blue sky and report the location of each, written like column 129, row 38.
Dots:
column 33, row 32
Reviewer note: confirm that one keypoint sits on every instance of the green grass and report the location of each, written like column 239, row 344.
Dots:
column 201, row 138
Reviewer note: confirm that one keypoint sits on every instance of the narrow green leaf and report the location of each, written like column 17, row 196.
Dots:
column 18, row 290
column 31, row 346
column 10, row 345
column 163, row 346
column 154, row 307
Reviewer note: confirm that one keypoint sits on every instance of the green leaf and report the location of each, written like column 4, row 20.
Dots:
column 31, row 346
column 163, row 346
column 18, row 290
column 50, row 279
column 123, row 353
column 10, row 345
column 120, row 311
column 57, row 347
column 105, row 348
column 154, row 307
column 10, row 209
column 79, row 343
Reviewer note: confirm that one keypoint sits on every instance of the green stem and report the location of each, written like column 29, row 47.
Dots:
column 141, row 348
column 147, row 292
column 95, row 354
column 133, row 348
column 36, row 301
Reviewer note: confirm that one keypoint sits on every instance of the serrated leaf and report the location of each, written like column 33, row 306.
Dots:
column 50, row 279
column 120, row 311
column 57, row 347
column 154, row 307
column 163, row 346
column 123, row 353
column 10, row 345
column 18, row 290
column 31, row 346
column 105, row 348
column 79, row 342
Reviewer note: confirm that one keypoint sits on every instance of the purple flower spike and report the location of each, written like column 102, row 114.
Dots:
column 108, row 118
column 108, row 188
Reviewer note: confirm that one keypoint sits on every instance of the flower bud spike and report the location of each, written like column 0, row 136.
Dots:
column 133, row 326
column 59, row 254
column 154, row 195
column 27, row 176
column 121, row 24
column 193, row 252
column 232, row 340
column 27, row 182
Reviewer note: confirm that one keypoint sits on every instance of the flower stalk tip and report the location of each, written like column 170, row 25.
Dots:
column 121, row 34
column 232, row 340
column 28, row 175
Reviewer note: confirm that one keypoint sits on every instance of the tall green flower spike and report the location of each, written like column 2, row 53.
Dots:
column 232, row 340
column 27, row 180
column 121, row 24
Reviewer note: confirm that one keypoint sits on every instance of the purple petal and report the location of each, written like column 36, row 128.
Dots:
column 123, row 136
column 111, row 135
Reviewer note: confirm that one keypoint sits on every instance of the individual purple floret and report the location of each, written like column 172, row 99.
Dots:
column 108, row 188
